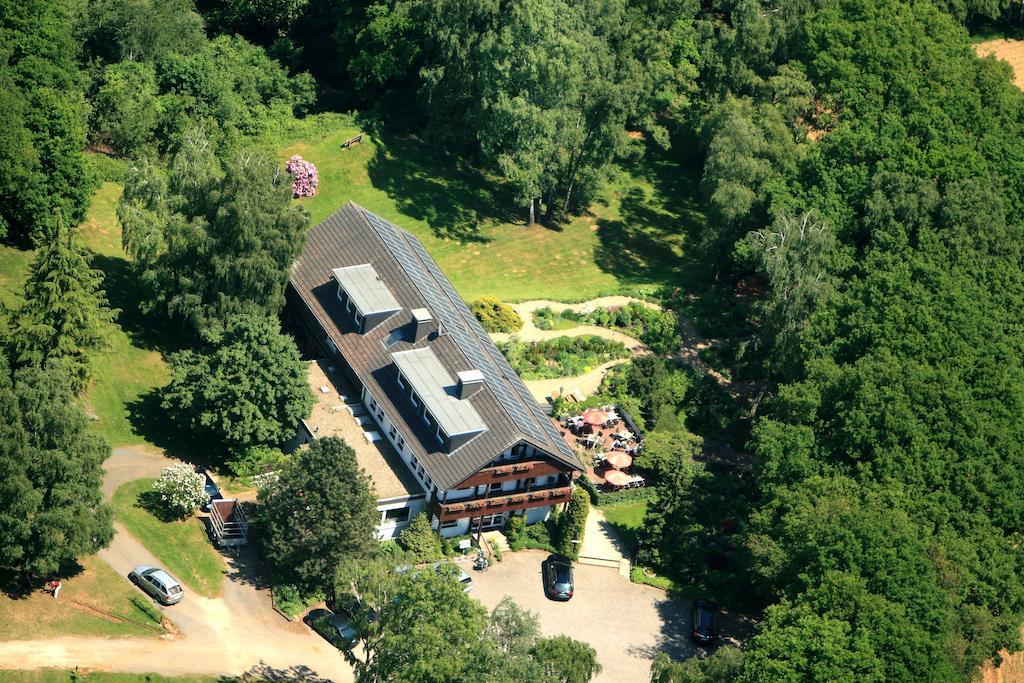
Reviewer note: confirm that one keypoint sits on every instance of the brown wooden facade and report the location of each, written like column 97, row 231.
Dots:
column 495, row 504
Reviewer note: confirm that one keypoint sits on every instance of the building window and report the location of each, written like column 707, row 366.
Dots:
column 496, row 486
column 440, row 439
column 401, row 382
column 396, row 515
column 392, row 432
column 426, row 418
column 415, row 401
column 401, row 443
column 450, row 524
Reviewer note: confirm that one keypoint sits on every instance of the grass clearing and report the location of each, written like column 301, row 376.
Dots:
column 626, row 518
column 1010, row 50
column 126, row 370
column 632, row 238
column 39, row 615
column 181, row 546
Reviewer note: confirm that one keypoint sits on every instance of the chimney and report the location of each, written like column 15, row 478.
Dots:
column 422, row 324
column 470, row 382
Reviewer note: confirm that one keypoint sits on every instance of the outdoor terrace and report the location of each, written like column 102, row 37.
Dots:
column 607, row 445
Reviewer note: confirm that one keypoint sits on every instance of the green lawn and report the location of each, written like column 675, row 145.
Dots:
column 632, row 238
column 181, row 546
column 127, row 369
column 14, row 265
column 38, row 615
column 626, row 518
column 78, row 676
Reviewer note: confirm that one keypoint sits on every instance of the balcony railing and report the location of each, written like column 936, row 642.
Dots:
column 513, row 470
column 516, row 500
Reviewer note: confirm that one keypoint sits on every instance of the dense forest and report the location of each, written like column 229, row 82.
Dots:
column 857, row 159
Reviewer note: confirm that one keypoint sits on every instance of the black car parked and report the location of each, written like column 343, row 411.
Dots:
column 557, row 572
column 705, row 623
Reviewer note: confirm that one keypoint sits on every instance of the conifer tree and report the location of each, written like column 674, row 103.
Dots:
column 65, row 311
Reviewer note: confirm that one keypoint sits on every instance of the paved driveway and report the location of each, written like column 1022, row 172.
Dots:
column 627, row 623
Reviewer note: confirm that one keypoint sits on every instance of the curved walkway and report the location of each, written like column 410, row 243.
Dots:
column 689, row 351
column 531, row 333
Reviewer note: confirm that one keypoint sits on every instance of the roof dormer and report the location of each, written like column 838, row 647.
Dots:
column 366, row 297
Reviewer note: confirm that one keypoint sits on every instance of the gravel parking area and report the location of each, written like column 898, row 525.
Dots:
column 627, row 623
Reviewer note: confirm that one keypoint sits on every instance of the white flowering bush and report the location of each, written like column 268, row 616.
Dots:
column 304, row 176
column 181, row 489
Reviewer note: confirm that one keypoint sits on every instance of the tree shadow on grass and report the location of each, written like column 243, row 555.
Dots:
column 651, row 240
column 437, row 186
column 151, row 502
column 16, row 586
column 154, row 424
column 126, row 293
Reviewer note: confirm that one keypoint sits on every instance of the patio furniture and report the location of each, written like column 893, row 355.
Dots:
column 619, row 461
column 595, row 416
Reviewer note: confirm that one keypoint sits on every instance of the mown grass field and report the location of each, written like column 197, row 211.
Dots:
column 38, row 615
column 126, row 369
column 632, row 238
column 181, row 546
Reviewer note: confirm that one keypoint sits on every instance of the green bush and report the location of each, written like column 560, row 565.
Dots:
column 106, row 168
column 561, row 357
column 420, row 540
column 658, row 329
column 496, row 316
column 515, row 528
column 254, row 460
column 291, row 602
column 572, row 524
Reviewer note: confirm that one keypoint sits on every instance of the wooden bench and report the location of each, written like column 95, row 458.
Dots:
column 352, row 141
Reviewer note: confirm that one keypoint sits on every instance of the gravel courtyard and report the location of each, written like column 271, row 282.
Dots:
column 627, row 623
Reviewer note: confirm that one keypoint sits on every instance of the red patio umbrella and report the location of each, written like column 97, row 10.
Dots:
column 619, row 461
column 617, row 478
column 595, row 416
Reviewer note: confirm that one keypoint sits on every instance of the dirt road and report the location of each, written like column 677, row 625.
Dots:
column 232, row 634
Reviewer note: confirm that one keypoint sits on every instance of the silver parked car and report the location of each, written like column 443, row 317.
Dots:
column 158, row 583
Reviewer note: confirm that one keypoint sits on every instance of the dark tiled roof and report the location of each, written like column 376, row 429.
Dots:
column 354, row 236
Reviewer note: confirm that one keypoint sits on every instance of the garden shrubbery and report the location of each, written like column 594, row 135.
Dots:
column 658, row 329
column 180, row 490
column 305, row 179
column 496, row 316
column 560, row 357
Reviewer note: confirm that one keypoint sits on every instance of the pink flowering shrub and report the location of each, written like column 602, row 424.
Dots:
column 304, row 176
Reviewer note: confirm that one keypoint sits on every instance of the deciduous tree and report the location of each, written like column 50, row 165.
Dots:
column 318, row 514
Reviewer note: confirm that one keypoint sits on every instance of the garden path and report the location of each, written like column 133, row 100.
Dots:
column 588, row 384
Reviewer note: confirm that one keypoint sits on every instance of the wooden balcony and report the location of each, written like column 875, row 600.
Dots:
column 513, row 470
column 517, row 500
